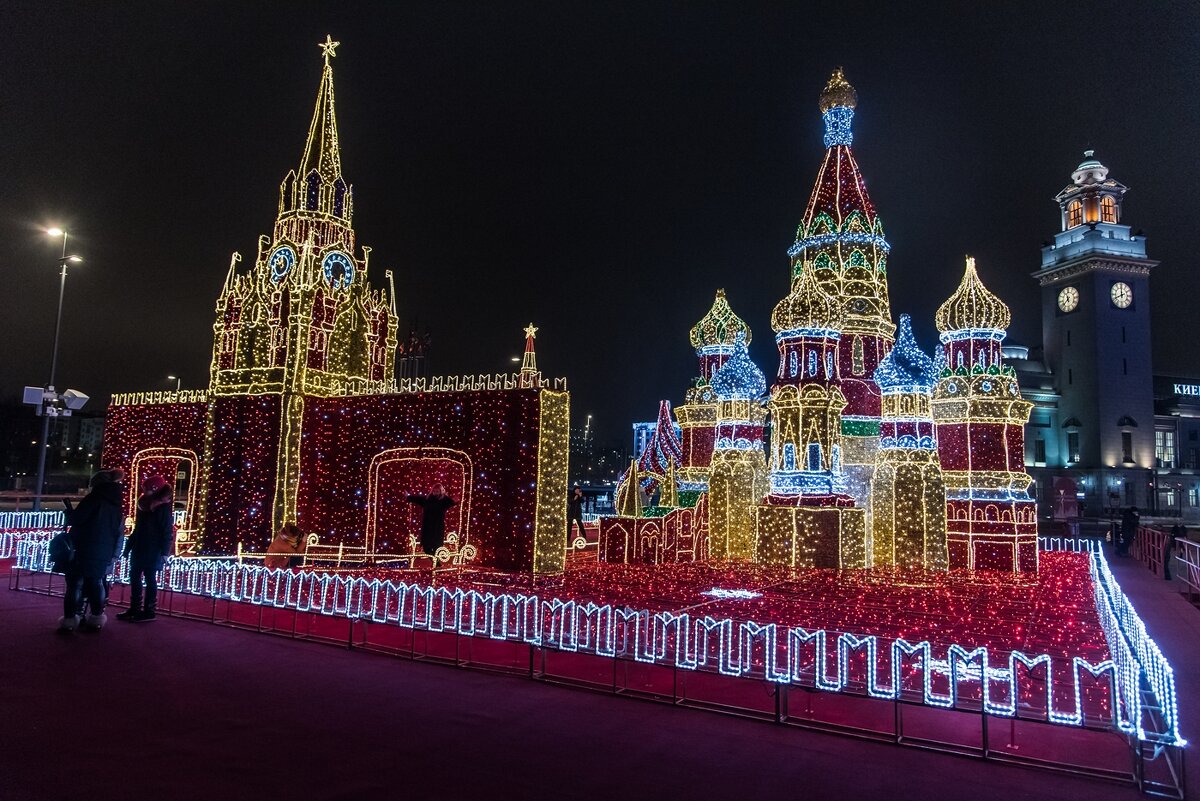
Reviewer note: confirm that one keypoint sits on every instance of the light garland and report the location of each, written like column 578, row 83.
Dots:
column 618, row 612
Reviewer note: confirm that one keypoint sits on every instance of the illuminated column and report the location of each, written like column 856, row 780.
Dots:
column 807, row 520
column 738, row 472
column 840, row 237
column 991, row 520
column 713, row 338
column 908, row 495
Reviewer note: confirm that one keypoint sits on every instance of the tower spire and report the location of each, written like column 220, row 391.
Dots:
column 321, row 151
column 529, row 370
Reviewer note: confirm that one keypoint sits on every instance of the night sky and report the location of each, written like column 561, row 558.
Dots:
column 599, row 169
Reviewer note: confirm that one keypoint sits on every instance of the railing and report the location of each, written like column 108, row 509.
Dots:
column 45, row 519
column 477, row 383
column 1150, row 546
column 1187, row 566
column 157, row 398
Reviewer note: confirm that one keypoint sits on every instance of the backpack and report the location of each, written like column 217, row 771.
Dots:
column 61, row 552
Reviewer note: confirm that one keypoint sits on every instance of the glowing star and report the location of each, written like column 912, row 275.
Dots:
column 531, row 331
column 327, row 48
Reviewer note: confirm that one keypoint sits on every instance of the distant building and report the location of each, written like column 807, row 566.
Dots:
column 1105, row 432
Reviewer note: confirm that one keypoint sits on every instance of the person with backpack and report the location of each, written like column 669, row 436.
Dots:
column 152, row 540
column 96, row 529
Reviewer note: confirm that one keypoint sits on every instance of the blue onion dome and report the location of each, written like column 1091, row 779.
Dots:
column 739, row 378
column 906, row 365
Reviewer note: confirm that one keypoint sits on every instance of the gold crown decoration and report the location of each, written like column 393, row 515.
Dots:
column 972, row 306
column 807, row 306
column 720, row 326
column 838, row 92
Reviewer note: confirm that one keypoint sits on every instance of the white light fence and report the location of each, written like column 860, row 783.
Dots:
column 937, row 675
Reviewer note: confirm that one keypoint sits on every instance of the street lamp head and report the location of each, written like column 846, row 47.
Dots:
column 172, row 378
column 72, row 259
column 55, row 231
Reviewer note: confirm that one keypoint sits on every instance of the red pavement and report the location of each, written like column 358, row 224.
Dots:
column 188, row 710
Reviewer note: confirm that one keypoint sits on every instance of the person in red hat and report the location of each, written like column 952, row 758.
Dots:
column 152, row 540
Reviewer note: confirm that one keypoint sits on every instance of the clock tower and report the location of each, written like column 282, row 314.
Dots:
column 1096, row 335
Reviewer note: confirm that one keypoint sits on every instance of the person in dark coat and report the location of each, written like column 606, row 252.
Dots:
column 1129, row 525
column 575, row 513
column 96, row 525
column 433, row 521
column 152, row 540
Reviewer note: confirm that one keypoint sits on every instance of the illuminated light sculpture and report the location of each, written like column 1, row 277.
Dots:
column 713, row 338
column 738, row 474
column 529, row 375
column 980, row 416
column 840, row 238
column 807, row 520
column 303, row 420
column 660, row 455
column 908, row 495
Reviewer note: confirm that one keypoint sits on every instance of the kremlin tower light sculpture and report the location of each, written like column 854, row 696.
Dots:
column 980, row 418
column 840, row 238
column 738, row 473
column 714, row 338
column 908, row 495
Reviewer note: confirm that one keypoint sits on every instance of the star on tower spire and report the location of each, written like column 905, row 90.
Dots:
column 327, row 48
column 529, row 372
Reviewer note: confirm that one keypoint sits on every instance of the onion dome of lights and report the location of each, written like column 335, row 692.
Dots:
column 906, row 365
column 739, row 378
column 720, row 327
column 838, row 92
column 972, row 306
column 807, row 306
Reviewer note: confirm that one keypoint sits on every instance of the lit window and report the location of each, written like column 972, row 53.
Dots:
column 812, row 362
column 1108, row 209
column 1072, row 446
column 1164, row 448
column 1074, row 214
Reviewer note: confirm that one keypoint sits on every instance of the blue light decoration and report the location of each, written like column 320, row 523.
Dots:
column 731, row 647
column 339, row 269
column 907, row 370
column 838, row 129
column 739, row 378
column 282, row 260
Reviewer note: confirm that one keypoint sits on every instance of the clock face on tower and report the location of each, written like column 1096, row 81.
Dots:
column 339, row 269
column 1068, row 299
column 282, row 260
column 1122, row 295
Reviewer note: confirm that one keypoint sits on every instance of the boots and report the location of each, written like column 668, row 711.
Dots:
column 66, row 625
column 93, row 623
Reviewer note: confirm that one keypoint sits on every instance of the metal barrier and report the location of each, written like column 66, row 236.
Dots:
column 1150, row 546
column 1187, row 567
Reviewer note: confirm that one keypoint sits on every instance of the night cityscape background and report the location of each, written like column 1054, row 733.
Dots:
column 599, row 171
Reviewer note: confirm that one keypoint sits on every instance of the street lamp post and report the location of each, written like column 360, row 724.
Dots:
column 50, row 393
column 178, row 381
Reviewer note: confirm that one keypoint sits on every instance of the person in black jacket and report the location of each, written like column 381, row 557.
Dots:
column 96, row 526
column 152, row 540
column 433, row 521
column 575, row 513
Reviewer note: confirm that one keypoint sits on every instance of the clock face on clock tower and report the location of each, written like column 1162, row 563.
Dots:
column 1068, row 299
column 1121, row 294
